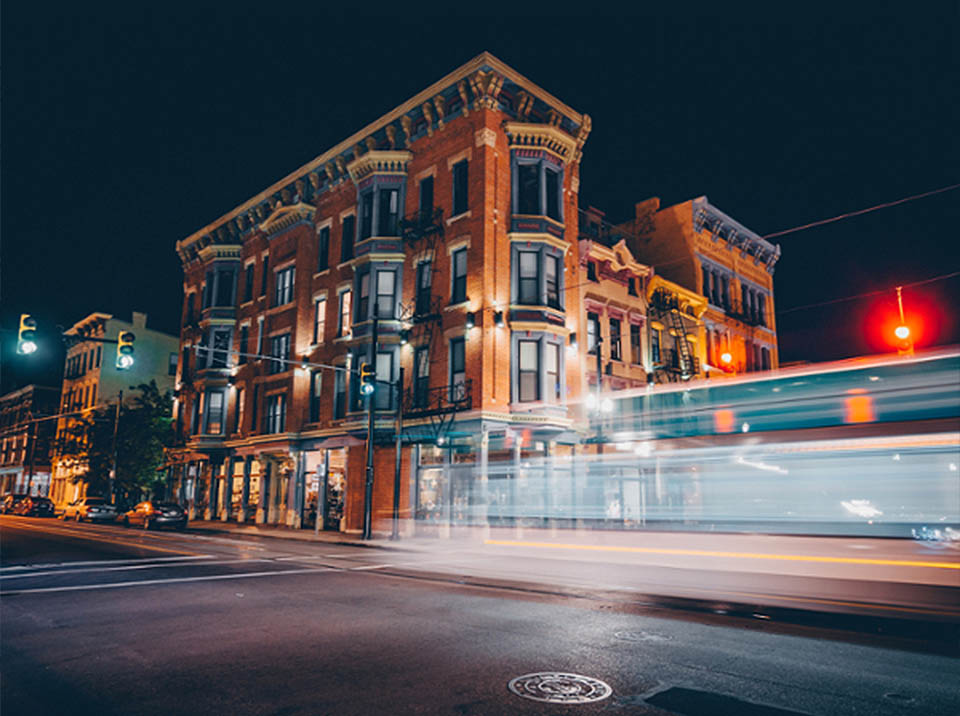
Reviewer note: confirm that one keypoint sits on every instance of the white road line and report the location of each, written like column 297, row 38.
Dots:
column 369, row 566
column 90, row 563
column 174, row 580
column 55, row 572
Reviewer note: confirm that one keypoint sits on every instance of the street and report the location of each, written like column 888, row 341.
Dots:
column 97, row 619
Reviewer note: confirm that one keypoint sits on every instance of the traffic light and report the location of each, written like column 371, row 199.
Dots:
column 27, row 336
column 367, row 379
column 904, row 343
column 125, row 350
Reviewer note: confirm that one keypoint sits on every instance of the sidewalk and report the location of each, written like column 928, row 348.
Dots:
column 300, row 535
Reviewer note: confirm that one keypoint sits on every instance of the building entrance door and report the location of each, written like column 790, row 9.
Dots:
column 335, row 488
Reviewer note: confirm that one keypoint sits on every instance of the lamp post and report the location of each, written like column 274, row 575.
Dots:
column 902, row 331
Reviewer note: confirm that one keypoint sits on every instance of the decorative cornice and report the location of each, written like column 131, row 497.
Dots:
column 709, row 219
column 484, row 76
column 524, row 135
column 283, row 217
column 220, row 251
column 380, row 162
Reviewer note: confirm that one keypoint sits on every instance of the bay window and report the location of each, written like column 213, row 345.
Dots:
column 283, row 287
column 552, row 271
column 386, row 288
column 214, row 412
column 529, row 281
column 528, row 387
column 552, row 374
column 537, row 188
column 275, row 418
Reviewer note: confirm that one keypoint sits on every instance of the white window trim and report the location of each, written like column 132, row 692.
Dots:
column 325, row 224
column 430, row 171
column 459, row 157
column 458, row 243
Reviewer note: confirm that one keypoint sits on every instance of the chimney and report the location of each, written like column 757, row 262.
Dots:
column 139, row 320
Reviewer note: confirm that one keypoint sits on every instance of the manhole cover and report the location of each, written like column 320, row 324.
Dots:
column 558, row 688
column 640, row 636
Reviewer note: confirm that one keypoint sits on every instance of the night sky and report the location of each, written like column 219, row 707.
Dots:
column 126, row 130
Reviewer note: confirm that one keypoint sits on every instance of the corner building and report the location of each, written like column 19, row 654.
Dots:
column 440, row 240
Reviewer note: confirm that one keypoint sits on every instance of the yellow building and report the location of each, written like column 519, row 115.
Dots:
column 677, row 332
column 698, row 247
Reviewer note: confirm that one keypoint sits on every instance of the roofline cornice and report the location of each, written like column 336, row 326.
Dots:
column 484, row 59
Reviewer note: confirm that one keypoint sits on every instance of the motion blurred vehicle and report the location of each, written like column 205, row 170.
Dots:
column 11, row 501
column 94, row 509
column 153, row 515
column 35, row 507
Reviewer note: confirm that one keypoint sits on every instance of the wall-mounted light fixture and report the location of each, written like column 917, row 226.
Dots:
column 573, row 340
column 404, row 337
column 498, row 319
column 471, row 320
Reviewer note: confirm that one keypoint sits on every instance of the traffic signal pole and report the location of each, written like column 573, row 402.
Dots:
column 395, row 534
column 113, row 470
column 371, row 414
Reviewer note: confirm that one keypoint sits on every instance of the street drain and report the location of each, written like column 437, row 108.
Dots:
column 559, row 688
column 640, row 636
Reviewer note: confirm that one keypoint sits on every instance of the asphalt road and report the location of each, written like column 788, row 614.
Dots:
column 96, row 619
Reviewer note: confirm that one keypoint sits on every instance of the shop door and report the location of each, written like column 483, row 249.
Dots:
column 335, row 488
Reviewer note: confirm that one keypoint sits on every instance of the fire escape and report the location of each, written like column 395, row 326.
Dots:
column 680, row 363
column 423, row 233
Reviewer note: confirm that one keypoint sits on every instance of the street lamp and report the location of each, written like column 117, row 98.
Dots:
column 902, row 332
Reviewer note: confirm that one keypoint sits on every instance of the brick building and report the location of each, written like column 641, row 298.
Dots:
column 452, row 221
column 91, row 379
column 24, row 444
column 700, row 248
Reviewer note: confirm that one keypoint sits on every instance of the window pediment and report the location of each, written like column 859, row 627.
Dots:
column 285, row 216
column 526, row 135
column 382, row 162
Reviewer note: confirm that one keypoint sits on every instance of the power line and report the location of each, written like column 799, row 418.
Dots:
column 863, row 211
column 868, row 293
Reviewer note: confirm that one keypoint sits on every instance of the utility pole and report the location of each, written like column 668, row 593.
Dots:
column 396, row 468
column 371, row 414
column 32, row 433
column 113, row 471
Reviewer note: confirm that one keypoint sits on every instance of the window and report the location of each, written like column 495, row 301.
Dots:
column 263, row 276
column 254, row 407
column 195, row 415
column 426, row 199
column 339, row 394
column 593, row 332
column 725, row 293
column 762, row 309
column 389, row 210
column 238, row 411
column 655, row 345
column 319, row 320
column 248, row 283
column 363, row 296
column 283, row 290
column 276, row 417
column 529, row 369
column 424, row 282
column 421, row 379
column 316, row 395
column 225, row 283
column 384, row 375
column 366, row 215
column 202, row 352
column 458, row 370
column 84, row 360
column 615, row 353
column 348, row 233
column 765, row 358
column 528, row 186
column 458, row 291
column 259, row 336
column 553, row 193
column 385, row 293
column 323, row 249
column 280, row 352
column 635, row 344
column 460, row 199
column 172, row 364
column 343, row 319
column 529, row 285
column 191, row 300
column 552, row 273
column 221, row 348
column 214, row 412
column 705, row 275
column 591, row 271
column 632, row 286
column 208, row 289
column 244, row 346
column 552, row 373
column 98, row 356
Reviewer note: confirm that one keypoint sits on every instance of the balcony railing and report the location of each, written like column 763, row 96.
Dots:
column 671, row 360
column 421, row 224
column 419, row 401
column 663, row 300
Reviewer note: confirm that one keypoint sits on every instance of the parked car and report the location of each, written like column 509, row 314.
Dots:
column 35, row 507
column 95, row 509
column 152, row 515
column 11, row 501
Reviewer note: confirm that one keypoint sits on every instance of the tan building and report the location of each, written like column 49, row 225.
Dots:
column 91, row 379
column 700, row 248
column 25, row 441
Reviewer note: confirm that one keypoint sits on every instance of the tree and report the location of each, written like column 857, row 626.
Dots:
column 143, row 430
